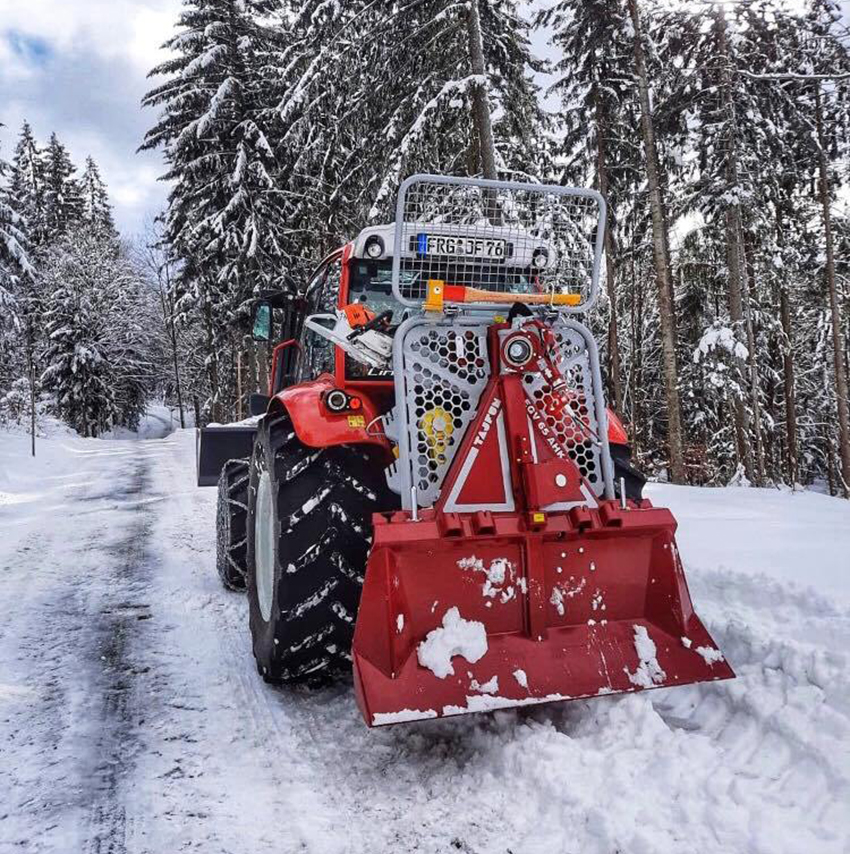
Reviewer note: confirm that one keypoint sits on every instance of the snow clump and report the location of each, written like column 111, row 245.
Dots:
column 490, row 687
column 649, row 672
column 496, row 575
column 709, row 654
column 455, row 637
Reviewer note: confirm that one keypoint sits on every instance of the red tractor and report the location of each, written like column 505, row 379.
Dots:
column 435, row 492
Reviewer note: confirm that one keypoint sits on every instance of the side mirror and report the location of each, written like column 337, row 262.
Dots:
column 262, row 329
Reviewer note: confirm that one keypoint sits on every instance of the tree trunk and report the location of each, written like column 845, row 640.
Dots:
column 837, row 342
column 638, row 427
column 31, row 372
column 749, row 279
column 610, row 266
column 788, row 369
column 830, row 467
column 790, row 392
column 736, row 315
column 666, row 305
column 240, row 391
column 174, row 348
column 212, row 365
column 166, row 298
column 734, row 252
column 480, row 105
column 263, row 366
column 251, row 349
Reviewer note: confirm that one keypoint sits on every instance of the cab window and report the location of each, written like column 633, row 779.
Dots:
column 322, row 295
column 371, row 283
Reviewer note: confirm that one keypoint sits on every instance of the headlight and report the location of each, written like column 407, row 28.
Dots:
column 374, row 248
column 540, row 258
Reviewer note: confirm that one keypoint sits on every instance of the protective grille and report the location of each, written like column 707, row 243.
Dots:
column 571, row 415
column 445, row 370
column 495, row 236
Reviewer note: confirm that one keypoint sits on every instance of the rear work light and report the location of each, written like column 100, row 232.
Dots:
column 336, row 401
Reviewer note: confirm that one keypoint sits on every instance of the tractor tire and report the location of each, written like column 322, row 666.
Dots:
column 231, row 520
column 633, row 478
column 309, row 533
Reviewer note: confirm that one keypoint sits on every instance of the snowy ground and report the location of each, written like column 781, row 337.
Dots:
column 132, row 720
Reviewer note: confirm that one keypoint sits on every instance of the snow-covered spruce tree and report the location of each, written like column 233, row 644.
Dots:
column 26, row 190
column 595, row 80
column 832, row 136
column 225, row 218
column 751, row 166
column 14, row 260
column 314, row 72
column 97, row 317
column 77, row 368
column 96, row 208
column 422, row 61
column 15, row 277
column 643, row 51
column 726, row 122
column 284, row 124
column 63, row 204
column 372, row 92
column 809, row 58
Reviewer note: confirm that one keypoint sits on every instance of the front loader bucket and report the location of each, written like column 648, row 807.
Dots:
column 473, row 612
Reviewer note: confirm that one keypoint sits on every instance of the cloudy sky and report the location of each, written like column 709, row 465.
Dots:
column 78, row 67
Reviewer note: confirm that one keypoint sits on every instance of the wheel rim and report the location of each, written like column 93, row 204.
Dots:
column 264, row 538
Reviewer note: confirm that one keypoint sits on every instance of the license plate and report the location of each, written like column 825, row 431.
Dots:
column 461, row 247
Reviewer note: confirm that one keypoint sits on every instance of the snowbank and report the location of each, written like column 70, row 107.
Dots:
column 802, row 538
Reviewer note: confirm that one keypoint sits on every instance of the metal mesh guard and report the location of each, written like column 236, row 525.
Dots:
column 445, row 369
column 497, row 236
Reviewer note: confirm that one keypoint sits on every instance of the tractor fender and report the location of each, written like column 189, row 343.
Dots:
column 317, row 427
column 617, row 434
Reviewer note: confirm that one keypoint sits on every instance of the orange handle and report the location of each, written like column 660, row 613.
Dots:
column 461, row 293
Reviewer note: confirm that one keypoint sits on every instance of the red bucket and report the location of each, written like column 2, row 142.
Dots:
column 473, row 612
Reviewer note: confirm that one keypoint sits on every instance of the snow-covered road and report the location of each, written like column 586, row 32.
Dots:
column 132, row 720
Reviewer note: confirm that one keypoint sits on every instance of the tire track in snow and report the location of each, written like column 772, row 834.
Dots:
column 766, row 755
column 75, row 627
column 224, row 762
column 628, row 773
column 237, row 753
column 121, row 612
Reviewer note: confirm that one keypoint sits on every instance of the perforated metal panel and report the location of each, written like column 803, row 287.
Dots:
column 444, row 370
column 497, row 236
column 572, row 415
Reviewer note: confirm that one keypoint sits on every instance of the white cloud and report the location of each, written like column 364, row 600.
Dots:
column 110, row 28
column 78, row 67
